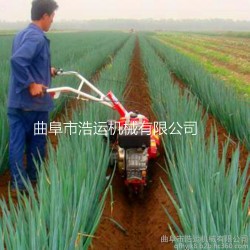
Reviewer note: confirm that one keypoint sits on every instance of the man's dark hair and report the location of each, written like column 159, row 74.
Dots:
column 41, row 7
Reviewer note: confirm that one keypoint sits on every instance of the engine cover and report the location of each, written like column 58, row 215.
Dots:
column 135, row 139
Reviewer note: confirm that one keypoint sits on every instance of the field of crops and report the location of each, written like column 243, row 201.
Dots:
column 199, row 188
column 226, row 57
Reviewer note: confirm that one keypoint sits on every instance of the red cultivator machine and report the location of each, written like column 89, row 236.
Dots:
column 133, row 140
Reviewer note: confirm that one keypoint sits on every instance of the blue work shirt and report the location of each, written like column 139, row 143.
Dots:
column 30, row 62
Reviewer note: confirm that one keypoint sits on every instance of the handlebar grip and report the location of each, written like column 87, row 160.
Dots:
column 59, row 71
column 45, row 90
column 51, row 93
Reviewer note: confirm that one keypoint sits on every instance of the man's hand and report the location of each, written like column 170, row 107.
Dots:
column 53, row 71
column 37, row 89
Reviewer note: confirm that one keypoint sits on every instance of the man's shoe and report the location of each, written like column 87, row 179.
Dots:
column 33, row 181
column 14, row 192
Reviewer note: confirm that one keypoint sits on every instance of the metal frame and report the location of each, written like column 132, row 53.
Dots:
column 57, row 91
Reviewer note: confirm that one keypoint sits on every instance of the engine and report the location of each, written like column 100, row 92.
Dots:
column 134, row 143
column 136, row 164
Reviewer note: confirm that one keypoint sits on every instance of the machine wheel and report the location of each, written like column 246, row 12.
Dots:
column 130, row 192
column 141, row 192
column 113, row 158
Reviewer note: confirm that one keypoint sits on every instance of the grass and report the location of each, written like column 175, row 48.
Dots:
column 7, row 32
column 240, row 34
column 202, row 47
column 234, row 78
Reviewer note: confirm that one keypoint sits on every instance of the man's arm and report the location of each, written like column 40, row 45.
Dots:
column 22, row 59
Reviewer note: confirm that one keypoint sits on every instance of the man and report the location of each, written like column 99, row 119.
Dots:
column 28, row 104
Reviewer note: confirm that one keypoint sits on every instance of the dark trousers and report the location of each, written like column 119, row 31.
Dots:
column 24, row 137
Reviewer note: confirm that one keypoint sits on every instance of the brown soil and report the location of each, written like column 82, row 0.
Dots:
column 144, row 220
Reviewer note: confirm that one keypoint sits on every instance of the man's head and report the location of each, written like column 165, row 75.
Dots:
column 43, row 11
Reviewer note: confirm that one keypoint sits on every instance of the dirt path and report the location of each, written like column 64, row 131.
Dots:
column 145, row 221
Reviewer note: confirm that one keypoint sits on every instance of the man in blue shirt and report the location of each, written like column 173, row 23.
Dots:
column 28, row 104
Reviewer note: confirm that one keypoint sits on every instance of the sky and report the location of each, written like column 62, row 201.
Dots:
column 19, row 10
